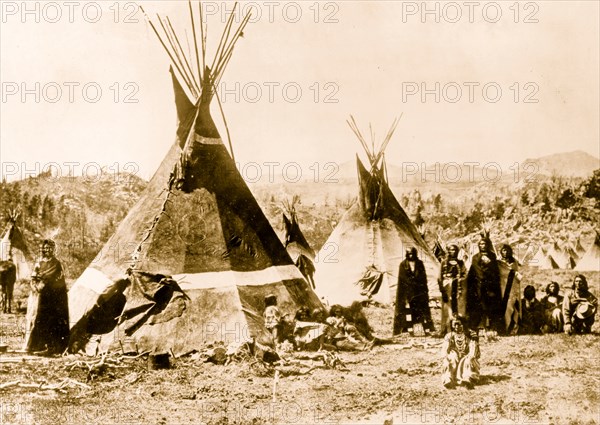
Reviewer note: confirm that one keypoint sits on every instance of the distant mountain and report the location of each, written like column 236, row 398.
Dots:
column 567, row 164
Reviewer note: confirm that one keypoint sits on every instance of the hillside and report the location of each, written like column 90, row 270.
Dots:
column 568, row 164
column 81, row 213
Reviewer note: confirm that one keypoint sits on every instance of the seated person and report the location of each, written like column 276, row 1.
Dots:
column 579, row 307
column 552, row 309
column 343, row 334
column 460, row 352
column 309, row 333
column 531, row 312
column 272, row 318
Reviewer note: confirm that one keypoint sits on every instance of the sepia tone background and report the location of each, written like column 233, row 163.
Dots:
column 353, row 56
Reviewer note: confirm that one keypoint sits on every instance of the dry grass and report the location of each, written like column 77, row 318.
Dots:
column 547, row 379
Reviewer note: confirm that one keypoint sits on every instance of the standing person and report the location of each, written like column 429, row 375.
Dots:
column 412, row 287
column 451, row 282
column 510, row 289
column 484, row 300
column 579, row 307
column 552, row 308
column 47, row 329
column 506, row 254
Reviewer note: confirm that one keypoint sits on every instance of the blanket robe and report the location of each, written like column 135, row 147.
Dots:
column 452, row 287
column 412, row 289
column 47, row 320
column 484, row 299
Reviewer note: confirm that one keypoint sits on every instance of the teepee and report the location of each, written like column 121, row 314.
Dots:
column 591, row 259
column 296, row 244
column 558, row 255
column 14, row 247
column 542, row 261
column 579, row 248
column 361, row 257
column 195, row 257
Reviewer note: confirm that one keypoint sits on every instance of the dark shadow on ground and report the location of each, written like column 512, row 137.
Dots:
column 492, row 379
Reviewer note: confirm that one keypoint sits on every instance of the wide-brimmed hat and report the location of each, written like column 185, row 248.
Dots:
column 585, row 310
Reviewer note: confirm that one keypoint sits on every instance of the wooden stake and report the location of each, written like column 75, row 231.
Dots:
column 275, row 380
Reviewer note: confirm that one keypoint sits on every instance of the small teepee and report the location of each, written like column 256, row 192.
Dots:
column 360, row 259
column 13, row 247
column 591, row 259
column 296, row 244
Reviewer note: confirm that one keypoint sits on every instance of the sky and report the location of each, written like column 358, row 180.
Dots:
column 86, row 83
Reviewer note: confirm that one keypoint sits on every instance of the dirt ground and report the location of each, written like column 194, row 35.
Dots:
column 547, row 379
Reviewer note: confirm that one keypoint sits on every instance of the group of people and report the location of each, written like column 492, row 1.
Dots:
column 475, row 297
column 344, row 329
column 573, row 313
column 474, row 294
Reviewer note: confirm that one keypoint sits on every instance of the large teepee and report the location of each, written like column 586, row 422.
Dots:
column 14, row 247
column 196, row 253
column 591, row 259
column 361, row 257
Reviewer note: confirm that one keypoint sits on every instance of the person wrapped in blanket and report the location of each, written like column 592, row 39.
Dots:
column 579, row 307
column 309, row 330
column 460, row 352
column 343, row 334
column 552, row 308
column 47, row 320
column 451, row 283
column 272, row 318
column 532, row 318
column 484, row 300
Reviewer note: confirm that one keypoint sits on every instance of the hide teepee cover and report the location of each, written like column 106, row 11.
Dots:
column 360, row 259
column 296, row 244
column 14, row 247
column 196, row 253
column 591, row 259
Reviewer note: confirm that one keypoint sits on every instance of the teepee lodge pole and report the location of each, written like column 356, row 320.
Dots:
column 354, row 127
column 224, row 37
column 387, row 139
column 189, row 68
column 185, row 76
column 203, row 34
column 226, row 126
column 163, row 44
column 196, row 42
column 229, row 50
